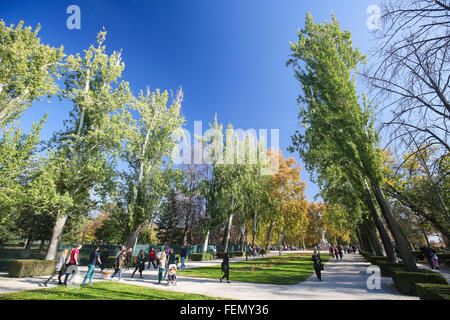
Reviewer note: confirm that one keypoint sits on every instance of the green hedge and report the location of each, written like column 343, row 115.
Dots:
column 31, row 268
column 405, row 281
column 377, row 259
column 387, row 268
column 443, row 256
column 201, row 256
column 432, row 291
column 238, row 254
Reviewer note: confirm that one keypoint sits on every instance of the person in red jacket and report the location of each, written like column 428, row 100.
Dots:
column 332, row 251
column 151, row 258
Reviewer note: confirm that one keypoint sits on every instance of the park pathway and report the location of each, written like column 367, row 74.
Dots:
column 341, row 280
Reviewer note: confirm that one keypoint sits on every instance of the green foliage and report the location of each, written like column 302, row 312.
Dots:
column 431, row 291
column 405, row 281
column 285, row 270
column 387, row 268
column 27, row 70
column 201, row 256
column 31, row 268
column 103, row 291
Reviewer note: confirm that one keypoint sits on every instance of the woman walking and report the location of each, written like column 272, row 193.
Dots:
column 317, row 265
column 162, row 264
column 119, row 264
column 58, row 268
column 225, row 267
column 129, row 257
column 140, row 263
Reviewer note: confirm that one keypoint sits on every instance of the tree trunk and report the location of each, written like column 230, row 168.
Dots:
column 226, row 236
column 401, row 241
column 133, row 238
column 365, row 240
column 269, row 236
column 386, row 240
column 255, row 226
column 205, row 243
column 372, row 233
column 242, row 236
column 56, row 235
column 41, row 246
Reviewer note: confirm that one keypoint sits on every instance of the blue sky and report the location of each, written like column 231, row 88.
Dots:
column 228, row 55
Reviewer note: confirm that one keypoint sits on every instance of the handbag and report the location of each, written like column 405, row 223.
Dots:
column 321, row 266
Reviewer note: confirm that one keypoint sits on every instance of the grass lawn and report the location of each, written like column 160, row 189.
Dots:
column 102, row 291
column 286, row 269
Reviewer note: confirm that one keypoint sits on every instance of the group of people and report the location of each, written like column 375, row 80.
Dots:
column 431, row 257
column 338, row 251
column 254, row 251
column 164, row 259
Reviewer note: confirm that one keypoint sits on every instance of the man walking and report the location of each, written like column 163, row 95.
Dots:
column 73, row 259
column 94, row 257
column 183, row 255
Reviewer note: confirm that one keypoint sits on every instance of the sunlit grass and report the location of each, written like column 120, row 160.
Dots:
column 103, row 291
column 286, row 269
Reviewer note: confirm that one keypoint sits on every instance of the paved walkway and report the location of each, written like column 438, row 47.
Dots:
column 341, row 280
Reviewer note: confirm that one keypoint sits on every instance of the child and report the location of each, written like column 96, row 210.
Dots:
column 172, row 273
column 435, row 260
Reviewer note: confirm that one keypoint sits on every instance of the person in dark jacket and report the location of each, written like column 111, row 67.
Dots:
column 183, row 254
column 428, row 253
column 140, row 264
column 317, row 265
column 93, row 259
column 340, row 252
column 225, row 267
column 171, row 259
column 104, row 257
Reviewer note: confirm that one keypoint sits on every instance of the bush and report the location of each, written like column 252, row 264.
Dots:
column 377, row 259
column 201, row 256
column 405, row 281
column 31, row 268
column 443, row 256
column 446, row 263
column 432, row 291
column 5, row 264
column 387, row 268
column 418, row 255
column 238, row 254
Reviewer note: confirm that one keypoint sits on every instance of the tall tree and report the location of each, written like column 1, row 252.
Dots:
column 336, row 122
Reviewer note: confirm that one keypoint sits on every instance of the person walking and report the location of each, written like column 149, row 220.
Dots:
column 104, row 257
column 58, row 268
column 340, row 252
column 151, row 258
column 118, row 252
column 336, row 253
column 73, row 260
column 140, row 263
column 428, row 253
column 332, row 251
column 225, row 267
column 129, row 258
column 435, row 260
column 93, row 259
column 317, row 265
column 171, row 259
column 119, row 264
column 161, row 263
column 183, row 254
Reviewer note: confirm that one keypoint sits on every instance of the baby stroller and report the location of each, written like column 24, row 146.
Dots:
column 172, row 275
